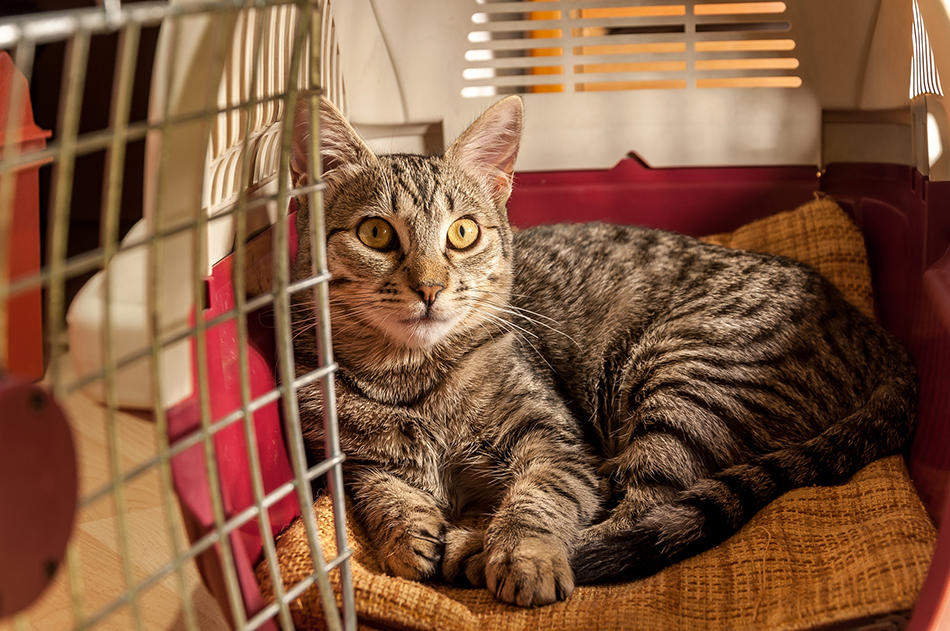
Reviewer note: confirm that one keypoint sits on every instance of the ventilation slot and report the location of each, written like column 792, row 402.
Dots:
column 331, row 79
column 575, row 45
column 923, row 70
column 262, row 35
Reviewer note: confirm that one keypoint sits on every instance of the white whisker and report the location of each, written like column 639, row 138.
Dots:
column 516, row 312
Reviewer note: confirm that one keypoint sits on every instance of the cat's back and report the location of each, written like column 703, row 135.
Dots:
column 582, row 273
column 599, row 298
column 595, row 275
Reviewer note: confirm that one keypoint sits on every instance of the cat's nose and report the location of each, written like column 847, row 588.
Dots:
column 429, row 292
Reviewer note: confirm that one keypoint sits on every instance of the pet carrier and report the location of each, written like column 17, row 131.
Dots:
column 170, row 432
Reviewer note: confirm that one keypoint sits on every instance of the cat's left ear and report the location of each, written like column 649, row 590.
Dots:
column 489, row 147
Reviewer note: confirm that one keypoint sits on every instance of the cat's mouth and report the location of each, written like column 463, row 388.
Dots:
column 423, row 320
column 422, row 330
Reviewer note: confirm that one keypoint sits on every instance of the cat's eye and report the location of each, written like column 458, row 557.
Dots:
column 463, row 233
column 377, row 233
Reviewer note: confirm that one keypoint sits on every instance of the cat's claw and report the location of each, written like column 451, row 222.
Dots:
column 535, row 572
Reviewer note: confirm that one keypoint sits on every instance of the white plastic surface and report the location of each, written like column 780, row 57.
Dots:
column 129, row 325
column 417, row 56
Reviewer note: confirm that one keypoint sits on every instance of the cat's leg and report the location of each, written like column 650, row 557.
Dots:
column 552, row 496
column 662, row 448
column 406, row 525
column 636, row 498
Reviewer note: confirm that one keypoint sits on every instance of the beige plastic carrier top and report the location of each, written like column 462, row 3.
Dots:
column 677, row 82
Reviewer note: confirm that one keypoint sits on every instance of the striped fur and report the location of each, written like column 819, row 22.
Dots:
column 571, row 404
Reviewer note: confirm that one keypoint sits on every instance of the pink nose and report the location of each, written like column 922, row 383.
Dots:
column 429, row 292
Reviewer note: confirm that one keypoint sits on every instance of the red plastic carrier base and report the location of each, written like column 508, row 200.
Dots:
column 906, row 224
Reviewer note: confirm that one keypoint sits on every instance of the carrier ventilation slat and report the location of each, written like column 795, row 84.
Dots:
column 273, row 26
column 597, row 45
column 924, row 78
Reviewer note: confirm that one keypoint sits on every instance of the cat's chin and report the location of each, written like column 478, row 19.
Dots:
column 420, row 333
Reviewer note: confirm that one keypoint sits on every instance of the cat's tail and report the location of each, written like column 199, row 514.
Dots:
column 715, row 508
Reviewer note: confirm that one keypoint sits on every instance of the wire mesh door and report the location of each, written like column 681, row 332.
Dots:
column 173, row 362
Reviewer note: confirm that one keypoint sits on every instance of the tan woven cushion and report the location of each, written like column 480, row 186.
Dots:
column 816, row 556
column 818, row 233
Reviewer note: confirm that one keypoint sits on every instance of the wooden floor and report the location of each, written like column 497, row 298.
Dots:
column 97, row 548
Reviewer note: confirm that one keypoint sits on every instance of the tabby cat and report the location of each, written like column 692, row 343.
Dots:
column 569, row 404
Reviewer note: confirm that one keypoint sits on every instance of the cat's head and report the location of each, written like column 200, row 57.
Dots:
column 419, row 247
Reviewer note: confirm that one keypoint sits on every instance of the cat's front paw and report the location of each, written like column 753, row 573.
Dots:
column 415, row 550
column 464, row 562
column 535, row 571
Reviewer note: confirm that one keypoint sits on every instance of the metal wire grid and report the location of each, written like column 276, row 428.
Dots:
column 21, row 37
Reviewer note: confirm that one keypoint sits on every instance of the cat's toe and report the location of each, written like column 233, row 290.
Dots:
column 536, row 572
column 415, row 552
column 464, row 561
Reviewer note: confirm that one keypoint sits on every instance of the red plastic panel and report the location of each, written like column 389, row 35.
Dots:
column 932, row 612
column 905, row 220
column 930, row 341
column 230, row 449
column 694, row 201
column 188, row 468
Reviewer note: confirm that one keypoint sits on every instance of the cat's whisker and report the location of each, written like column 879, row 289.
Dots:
column 506, row 327
column 301, row 332
column 521, row 311
column 487, row 330
column 534, row 313
column 509, row 322
column 349, row 311
column 353, row 313
column 517, row 331
column 353, row 322
column 515, row 311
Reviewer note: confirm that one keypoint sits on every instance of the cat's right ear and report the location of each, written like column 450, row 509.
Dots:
column 340, row 144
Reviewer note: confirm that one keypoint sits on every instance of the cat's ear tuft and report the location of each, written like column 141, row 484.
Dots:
column 489, row 147
column 340, row 144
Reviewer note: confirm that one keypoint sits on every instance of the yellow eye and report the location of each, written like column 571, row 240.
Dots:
column 463, row 233
column 377, row 233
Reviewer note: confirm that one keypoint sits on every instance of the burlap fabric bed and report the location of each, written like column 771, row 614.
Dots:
column 813, row 558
